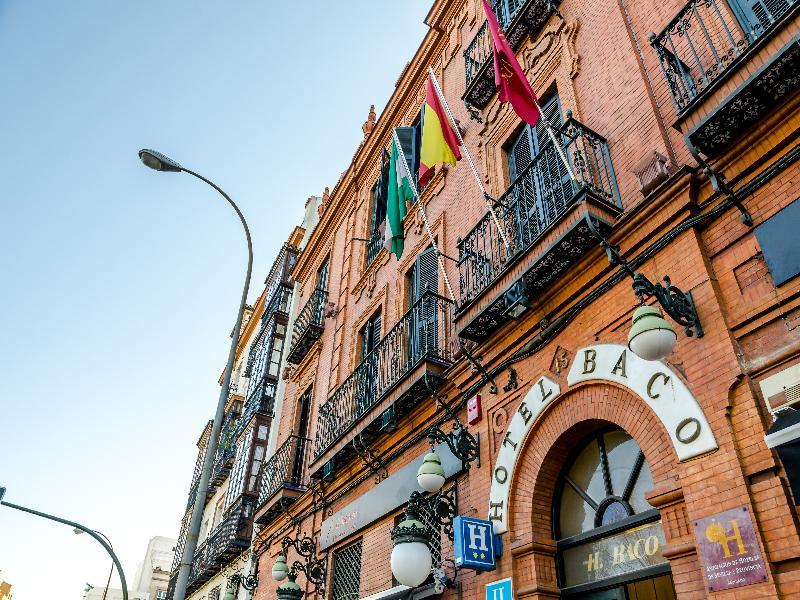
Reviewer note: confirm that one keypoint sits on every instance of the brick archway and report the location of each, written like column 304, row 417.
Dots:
column 579, row 412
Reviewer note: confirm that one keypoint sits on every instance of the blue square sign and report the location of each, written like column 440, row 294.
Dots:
column 474, row 544
column 499, row 590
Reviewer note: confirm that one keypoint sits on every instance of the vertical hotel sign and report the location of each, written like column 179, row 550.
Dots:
column 729, row 550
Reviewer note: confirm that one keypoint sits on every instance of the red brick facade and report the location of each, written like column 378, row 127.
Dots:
column 597, row 58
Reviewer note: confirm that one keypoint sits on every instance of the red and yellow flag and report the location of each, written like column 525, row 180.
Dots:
column 439, row 141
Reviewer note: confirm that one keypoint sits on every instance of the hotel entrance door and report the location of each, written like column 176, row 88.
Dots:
column 654, row 588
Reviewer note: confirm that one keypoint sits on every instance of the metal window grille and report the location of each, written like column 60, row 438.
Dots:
column 346, row 572
column 431, row 519
column 161, row 595
column 214, row 594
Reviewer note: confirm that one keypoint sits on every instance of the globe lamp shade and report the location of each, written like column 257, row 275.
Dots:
column 280, row 570
column 430, row 475
column 651, row 336
column 289, row 590
column 411, row 559
column 230, row 593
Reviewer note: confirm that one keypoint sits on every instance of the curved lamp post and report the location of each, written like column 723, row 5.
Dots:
column 76, row 527
column 159, row 162
column 78, row 531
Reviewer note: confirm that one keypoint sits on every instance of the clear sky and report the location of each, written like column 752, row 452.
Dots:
column 120, row 284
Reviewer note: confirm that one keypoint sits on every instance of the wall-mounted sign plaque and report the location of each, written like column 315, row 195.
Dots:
column 622, row 554
column 729, row 550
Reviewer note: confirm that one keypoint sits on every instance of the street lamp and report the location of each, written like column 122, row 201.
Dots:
column 78, row 531
column 431, row 475
column 651, row 337
column 76, row 526
column 411, row 555
column 159, row 162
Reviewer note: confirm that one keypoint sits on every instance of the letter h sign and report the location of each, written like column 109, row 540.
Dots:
column 475, row 544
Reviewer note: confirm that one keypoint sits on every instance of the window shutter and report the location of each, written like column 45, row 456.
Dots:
column 426, row 276
column 407, row 136
column 761, row 14
column 555, row 180
column 520, row 156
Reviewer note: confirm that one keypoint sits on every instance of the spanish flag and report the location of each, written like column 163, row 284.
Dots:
column 439, row 141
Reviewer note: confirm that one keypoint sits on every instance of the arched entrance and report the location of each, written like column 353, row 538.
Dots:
column 609, row 538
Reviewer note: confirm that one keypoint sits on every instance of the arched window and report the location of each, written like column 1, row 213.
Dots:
column 610, row 537
column 604, row 483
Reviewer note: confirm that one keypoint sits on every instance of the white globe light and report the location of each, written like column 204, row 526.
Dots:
column 278, row 575
column 430, row 482
column 651, row 337
column 654, row 344
column 411, row 563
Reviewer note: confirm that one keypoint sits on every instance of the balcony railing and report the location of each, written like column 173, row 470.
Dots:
column 308, row 326
column 480, row 48
column 261, row 400
column 421, row 334
column 226, row 452
column 227, row 539
column 285, row 468
column 536, row 199
column 705, row 38
column 374, row 245
column 278, row 303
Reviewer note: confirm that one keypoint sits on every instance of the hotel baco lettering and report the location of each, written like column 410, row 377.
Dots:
column 652, row 381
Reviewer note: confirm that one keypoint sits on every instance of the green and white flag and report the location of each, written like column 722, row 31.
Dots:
column 399, row 191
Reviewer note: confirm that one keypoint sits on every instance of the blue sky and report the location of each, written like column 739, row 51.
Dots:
column 120, row 284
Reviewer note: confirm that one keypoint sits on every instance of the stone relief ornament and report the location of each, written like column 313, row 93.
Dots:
column 326, row 196
column 369, row 124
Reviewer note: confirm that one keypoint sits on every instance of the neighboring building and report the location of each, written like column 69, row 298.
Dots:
column 152, row 575
column 227, row 526
column 5, row 589
column 605, row 475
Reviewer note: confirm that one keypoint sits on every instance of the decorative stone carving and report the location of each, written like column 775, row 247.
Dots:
column 369, row 124
column 326, row 196
column 372, row 280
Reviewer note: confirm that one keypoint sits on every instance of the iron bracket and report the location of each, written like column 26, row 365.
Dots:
column 370, row 460
column 720, row 185
column 314, row 568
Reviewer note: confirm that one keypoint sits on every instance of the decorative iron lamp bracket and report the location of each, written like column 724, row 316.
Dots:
column 676, row 303
column 720, row 185
column 464, row 446
column 248, row 582
column 315, row 569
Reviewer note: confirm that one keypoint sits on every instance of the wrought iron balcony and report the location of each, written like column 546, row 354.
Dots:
column 226, row 452
column 374, row 245
column 282, row 478
column 422, row 335
column 262, row 400
column 308, row 326
column 705, row 39
column 227, row 540
column 517, row 18
column 279, row 302
column 529, row 211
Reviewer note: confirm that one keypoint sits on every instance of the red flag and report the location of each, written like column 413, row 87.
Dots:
column 512, row 85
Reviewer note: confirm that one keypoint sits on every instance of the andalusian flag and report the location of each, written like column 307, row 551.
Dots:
column 399, row 192
column 439, row 141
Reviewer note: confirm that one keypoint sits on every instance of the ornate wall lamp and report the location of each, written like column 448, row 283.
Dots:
column 651, row 336
column 315, row 569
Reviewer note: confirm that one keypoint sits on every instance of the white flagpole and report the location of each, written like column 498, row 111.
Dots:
column 549, row 126
column 402, row 157
column 468, row 156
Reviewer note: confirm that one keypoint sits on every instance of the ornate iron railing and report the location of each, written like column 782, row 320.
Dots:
column 704, row 39
column 308, row 325
column 285, row 468
column 279, row 302
column 226, row 451
column 261, row 400
column 538, row 197
column 422, row 333
column 374, row 245
column 479, row 49
column 231, row 536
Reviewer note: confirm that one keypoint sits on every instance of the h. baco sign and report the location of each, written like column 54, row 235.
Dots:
column 652, row 381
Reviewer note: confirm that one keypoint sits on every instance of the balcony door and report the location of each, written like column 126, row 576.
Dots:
column 756, row 16
column 423, row 277
column 370, row 337
column 302, row 417
column 541, row 187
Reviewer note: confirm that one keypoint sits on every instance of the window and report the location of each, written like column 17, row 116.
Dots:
column 346, row 572
column 370, row 335
column 423, row 277
column 259, row 452
column 238, row 473
column 541, row 187
column 161, row 594
column 278, row 339
column 779, row 242
column 322, row 276
column 605, row 484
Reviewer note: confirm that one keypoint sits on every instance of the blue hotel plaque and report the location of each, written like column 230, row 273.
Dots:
column 474, row 543
column 499, row 590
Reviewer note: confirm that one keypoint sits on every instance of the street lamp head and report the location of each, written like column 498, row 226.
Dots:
column 159, row 162
column 431, row 475
column 280, row 570
column 411, row 558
